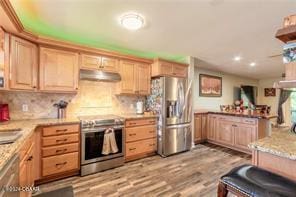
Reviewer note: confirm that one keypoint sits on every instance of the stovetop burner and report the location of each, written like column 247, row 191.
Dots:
column 100, row 120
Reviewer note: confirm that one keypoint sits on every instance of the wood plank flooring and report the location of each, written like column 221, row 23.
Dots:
column 193, row 173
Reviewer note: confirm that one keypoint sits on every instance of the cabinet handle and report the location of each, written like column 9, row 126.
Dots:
column 151, row 144
column 152, row 131
column 61, row 164
column 152, row 122
column 30, row 158
column 132, row 149
column 63, row 140
column 132, row 134
column 132, row 123
column 34, row 87
column 61, row 150
column 61, row 130
column 234, row 125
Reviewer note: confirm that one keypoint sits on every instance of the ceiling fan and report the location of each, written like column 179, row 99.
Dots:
column 277, row 55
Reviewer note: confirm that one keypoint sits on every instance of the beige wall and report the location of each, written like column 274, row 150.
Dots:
column 92, row 98
column 229, row 82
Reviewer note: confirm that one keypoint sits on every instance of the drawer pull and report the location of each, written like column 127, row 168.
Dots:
column 61, row 164
column 61, row 130
column 132, row 134
column 152, row 122
column 132, row 149
column 152, row 131
column 132, row 123
column 61, row 150
column 151, row 144
column 30, row 158
column 63, row 140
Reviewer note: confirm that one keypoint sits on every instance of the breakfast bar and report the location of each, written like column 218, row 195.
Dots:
column 276, row 153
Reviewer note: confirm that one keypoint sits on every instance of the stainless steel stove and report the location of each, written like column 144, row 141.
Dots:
column 93, row 130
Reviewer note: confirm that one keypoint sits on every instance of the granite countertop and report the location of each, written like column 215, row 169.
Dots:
column 280, row 143
column 245, row 114
column 7, row 151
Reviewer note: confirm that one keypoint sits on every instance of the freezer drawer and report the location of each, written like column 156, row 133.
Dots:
column 176, row 139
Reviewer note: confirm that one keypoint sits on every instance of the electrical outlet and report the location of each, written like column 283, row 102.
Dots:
column 25, row 107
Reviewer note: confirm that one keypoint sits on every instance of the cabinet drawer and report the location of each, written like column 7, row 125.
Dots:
column 166, row 68
column 58, row 140
column 249, row 121
column 61, row 149
column 58, row 164
column 140, row 133
column 61, row 129
column 140, row 122
column 140, row 147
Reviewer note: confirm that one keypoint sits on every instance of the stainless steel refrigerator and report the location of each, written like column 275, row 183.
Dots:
column 171, row 99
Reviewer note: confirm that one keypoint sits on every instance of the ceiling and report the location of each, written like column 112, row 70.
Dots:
column 213, row 31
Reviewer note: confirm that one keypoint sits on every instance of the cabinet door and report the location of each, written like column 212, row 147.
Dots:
column 204, row 126
column 143, row 77
column 179, row 71
column 243, row 135
column 109, row 64
column 90, row 62
column 4, row 60
column 197, row 128
column 23, row 177
column 58, row 70
column 23, row 64
column 30, row 166
column 211, row 134
column 166, row 68
column 127, row 83
column 225, row 132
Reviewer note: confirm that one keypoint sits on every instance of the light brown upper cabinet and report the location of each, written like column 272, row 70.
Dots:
column 92, row 62
column 4, row 60
column 135, row 78
column 23, row 64
column 162, row 67
column 58, row 70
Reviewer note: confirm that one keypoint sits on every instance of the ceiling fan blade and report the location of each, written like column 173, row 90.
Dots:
column 278, row 55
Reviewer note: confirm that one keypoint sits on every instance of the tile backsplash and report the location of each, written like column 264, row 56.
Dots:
column 92, row 98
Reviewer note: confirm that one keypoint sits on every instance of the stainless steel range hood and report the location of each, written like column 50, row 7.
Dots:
column 98, row 75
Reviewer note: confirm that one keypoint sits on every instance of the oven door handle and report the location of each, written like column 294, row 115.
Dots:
column 100, row 129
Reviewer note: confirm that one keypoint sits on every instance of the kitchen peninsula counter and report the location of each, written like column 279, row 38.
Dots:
column 244, row 114
column 7, row 151
column 276, row 153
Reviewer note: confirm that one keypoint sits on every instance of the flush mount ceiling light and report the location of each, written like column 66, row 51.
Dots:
column 132, row 21
column 252, row 64
column 237, row 58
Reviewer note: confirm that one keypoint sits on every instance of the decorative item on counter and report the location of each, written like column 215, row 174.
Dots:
column 239, row 106
column 61, row 106
column 4, row 112
column 289, row 53
column 290, row 20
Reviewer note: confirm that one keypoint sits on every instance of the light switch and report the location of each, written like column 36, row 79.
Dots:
column 25, row 108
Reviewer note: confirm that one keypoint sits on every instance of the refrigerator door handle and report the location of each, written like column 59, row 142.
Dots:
column 178, row 126
column 181, row 99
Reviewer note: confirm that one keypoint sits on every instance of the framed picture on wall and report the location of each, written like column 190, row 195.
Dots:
column 210, row 86
column 269, row 92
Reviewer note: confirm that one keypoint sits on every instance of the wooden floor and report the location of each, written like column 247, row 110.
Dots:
column 193, row 173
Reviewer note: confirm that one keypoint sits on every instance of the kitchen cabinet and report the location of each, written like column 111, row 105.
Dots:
column 58, row 70
column 26, row 166
column 200, row 128
column 4, row 60
column 212, row 127
column 224, row 132
column 162, row 67
column 140, row 138
column 244, row 135
column 23, row 64
column 59, row 152
column 94, row 62
column 135, row 78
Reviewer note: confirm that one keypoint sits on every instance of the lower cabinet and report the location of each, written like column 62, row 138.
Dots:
column 140, row 138
column 200, row 127
column 26, row 165
column 233, row 132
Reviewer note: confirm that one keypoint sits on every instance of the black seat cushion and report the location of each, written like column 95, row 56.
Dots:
column 255, row 181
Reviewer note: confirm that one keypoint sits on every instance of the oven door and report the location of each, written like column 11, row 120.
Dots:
column 92, row 140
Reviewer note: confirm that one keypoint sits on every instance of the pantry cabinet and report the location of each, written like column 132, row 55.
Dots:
column 135, row 78
column 23, row 64
column 58, row 70
column 94, row 62
column 162, row 67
